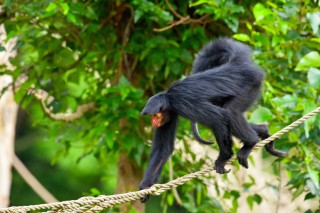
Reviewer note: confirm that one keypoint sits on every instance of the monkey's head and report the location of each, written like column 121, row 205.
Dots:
column 158, row 107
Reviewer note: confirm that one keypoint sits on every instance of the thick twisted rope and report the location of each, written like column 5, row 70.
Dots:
column 92, row 204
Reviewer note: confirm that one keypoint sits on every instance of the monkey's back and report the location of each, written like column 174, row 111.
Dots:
column 214, row 86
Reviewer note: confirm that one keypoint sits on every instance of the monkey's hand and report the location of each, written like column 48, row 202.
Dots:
column 146, row 197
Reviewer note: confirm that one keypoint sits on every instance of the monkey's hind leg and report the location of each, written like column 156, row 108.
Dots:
column 217, row 119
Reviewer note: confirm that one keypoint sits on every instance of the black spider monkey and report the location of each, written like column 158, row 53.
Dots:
column 223, row 85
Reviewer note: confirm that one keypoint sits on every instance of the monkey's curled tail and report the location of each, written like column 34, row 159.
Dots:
column 219, row 52
column 196, row 134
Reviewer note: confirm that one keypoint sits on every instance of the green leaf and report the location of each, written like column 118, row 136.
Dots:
column 261, row 115
column 64, row 58
column 123, row 82
column 316, row 40
column 95, row 192
column 65, row 8
column 71, row 103
column 124, row 92
column 308, row 106
column 260, row 12
column 8, row 3
column 170, row 199
column 309, row 196
column 2, row 48
column 312, row 59
column 314, row 77
column 232, row 22
column 199, row 2
column 71, row 18
column 314, row 176
column 254, row 198
column 241, row 37
column 76, row 89
column 133, row 113
column 199, row 195
column 287, row 101
column 314, row 20
column 51, row 7
column 185, row 56
column 298, row 192
column 110, row 136
column 250, row 202
column 257, row 198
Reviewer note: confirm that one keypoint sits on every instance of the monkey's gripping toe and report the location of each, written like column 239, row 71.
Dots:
column 144, row 199
column 243, row 161
column 220, row 169
column 144, row 185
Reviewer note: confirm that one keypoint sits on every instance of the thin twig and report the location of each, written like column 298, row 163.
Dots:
column 181, row 21
column 173, row 11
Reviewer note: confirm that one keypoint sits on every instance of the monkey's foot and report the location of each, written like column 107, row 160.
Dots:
column 242, row 157
column 243, row 161
column 219, row 167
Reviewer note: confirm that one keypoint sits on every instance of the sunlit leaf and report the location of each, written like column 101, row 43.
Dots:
column 110, row 136
column 316, row 40
column 310, row 60
column 51, row 7
column 314, row 20
column 314, row 176
column 261, row 115
column 260, row 12
column 241, row 37
column 65, row 8
column 287, row 101
column 314, row 77
column 71, row 18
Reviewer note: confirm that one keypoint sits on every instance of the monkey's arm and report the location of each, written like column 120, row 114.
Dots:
column 162, row 148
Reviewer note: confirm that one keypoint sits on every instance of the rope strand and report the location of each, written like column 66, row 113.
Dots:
column 93, row 204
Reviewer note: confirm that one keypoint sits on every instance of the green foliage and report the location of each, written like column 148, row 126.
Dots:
column 261, row 115
column 286, row 44
column 107, row 52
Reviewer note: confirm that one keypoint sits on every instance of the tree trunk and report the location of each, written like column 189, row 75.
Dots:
column 129, row 176
column 8, row 116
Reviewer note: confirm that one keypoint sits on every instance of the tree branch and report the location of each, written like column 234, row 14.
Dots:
column 44, row 97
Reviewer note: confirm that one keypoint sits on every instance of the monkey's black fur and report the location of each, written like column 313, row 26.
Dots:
column 223, row 85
